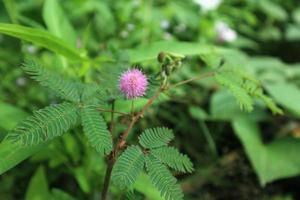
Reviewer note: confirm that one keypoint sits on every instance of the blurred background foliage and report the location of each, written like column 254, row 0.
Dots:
column 237, row 155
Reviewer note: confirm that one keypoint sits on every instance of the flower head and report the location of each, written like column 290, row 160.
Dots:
column 133, row 83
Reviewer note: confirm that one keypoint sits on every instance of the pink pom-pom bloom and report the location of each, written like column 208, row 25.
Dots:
column 133, row 83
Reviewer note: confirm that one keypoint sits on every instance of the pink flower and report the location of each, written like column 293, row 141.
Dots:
column 133, row 83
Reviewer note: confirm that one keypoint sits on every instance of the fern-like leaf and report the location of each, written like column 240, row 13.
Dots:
column 245, row 87
column 95, row 129
column 45, row 124
column 269, row 102
column 65, row 89
column 128, row 166
column 162, row 179
column 173, row 158
column 233, row 83
column 156, row 137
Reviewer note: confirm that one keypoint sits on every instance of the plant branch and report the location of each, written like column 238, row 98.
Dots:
column 112, row 117
column 134, row 118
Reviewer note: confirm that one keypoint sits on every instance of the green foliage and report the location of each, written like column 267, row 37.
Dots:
column 162, row 179
column 38, row 186
column 287, row 95
column 173, row 158
column 156, row 137
column 57, row 23
column 45, row 124
column 277, row 159
column 95, row 129
column 244, row 88
column 150, row 52
column 235, row 86
column 128, row 167
column 41, row 38
column 64, row 88
column 156, row 156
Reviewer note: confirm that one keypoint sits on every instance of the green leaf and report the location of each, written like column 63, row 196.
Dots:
column 173, row 158
column 58, row 194
column 12, row 11
column 234, row 86
column 65, row 89
column 156, row 137
column 144, row 186
column 245, row 88
column 12, row 154
column 273, row 10
column 293, row 33
column 10, row 115
column 163, row 180
column 41, row 38
column 222, row 103
column 38, row 186
column 57, row 23
column 45, row 124
column 128, row 167
column 198, row 113
column 276, row 160
column 150, row 52
column 95, row 129
column 82, row 179
column 286, row 94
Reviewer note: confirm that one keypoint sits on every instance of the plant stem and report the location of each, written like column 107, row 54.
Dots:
column 112, row 117
column 132, row 107
column 209, row 138
column 134, row 118
column 109, row 168
column 121, row 143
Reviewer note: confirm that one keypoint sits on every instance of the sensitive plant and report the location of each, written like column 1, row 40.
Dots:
column 85, row 103
column 241, row 84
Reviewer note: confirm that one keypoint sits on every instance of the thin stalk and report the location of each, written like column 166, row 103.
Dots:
column 121, row 143
column 112, row 117
column 132, row 107
column 209, row 138
column 109, row 168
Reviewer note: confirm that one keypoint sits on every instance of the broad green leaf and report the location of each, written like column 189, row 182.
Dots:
column 222, row 103
column 57, row 22
column 151, row 51
column 11, row 9
column 287, row 95
column 10, row 115
column 41, row 38
column 293, row 33
column 82, row 179
column 198, row 113
column 38, row 186
column 273, row 10
column 272, row 161
column 58, row 194
column 12, row 154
